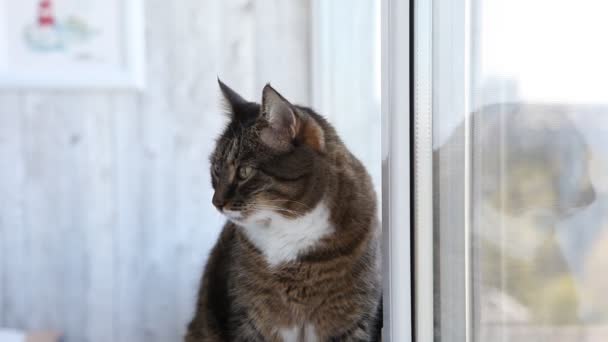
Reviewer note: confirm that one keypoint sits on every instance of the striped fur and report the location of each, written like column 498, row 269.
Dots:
column 299, row 257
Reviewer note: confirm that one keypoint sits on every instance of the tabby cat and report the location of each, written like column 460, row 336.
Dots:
column 299, row 257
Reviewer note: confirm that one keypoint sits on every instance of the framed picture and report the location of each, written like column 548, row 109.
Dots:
column 71, row 44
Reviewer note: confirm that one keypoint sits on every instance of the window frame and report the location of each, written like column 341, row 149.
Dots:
column 417, row 65
column 408, row 85
column 399, row 323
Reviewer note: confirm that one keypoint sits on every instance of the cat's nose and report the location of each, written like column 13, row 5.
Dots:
column 219, row 201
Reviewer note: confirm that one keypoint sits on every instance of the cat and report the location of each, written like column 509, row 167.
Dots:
column 299, row 257
column 532, row 173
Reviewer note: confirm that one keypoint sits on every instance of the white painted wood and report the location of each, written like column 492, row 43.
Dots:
column 282, row 50
column 129, row 230
column 423, row 229
column 12, row 251
column 100, row 218
column 50, row 213
column 344, row 78
column 396, row 212
column 197, row 120
column 105, row 214
column 158, row 316
column 237, row 51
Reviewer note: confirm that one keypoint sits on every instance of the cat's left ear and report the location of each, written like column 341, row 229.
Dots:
column 237, row 107
column 287, row 125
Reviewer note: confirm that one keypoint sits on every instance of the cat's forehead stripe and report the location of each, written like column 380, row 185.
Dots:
column 231, row 153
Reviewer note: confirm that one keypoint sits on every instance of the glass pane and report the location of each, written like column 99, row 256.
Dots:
column 539, row 171
column 524, row 177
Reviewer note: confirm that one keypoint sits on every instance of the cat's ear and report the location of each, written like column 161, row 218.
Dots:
column 232, row 98
column 286, row 124
column 238, row 108
column 281, row 118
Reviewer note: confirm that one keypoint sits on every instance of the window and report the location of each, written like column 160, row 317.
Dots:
column 514, row 99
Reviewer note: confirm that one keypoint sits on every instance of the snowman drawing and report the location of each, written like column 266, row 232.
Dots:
column 49, row 34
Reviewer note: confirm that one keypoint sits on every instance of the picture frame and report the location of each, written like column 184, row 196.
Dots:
column 59, row 44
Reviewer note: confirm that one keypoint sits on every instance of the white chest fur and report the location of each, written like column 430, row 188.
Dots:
column 299, row 334
column 282, row 239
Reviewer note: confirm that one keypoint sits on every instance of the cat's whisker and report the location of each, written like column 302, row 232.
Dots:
column 270, row 207
column 290, row 201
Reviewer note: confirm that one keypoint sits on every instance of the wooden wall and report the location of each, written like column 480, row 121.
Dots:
column 105, row 221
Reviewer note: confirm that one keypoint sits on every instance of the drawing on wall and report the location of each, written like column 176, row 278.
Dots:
column 47, row 32
column 55, row 43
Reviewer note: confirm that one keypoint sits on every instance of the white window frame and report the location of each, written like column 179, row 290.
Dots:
column 433, row 58
column 448, row 50
column 396, row 177
column 407, row 154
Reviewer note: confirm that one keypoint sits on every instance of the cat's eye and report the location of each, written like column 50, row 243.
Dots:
column 244, row 172
column 216, row 169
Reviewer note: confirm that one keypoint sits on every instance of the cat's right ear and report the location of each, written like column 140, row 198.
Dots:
column 234, row 102
column 286, row 125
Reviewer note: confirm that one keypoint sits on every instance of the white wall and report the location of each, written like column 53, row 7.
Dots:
column 105, row 220
column 346, row 75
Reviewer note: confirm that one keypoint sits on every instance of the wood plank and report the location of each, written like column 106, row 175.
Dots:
column 12, row 260
column 237, row 47
column 129, row 234
column 100, row 219
column 53, row 217
column 75, row 257
column 157, row 208
column 282, row 52
column 197, row 121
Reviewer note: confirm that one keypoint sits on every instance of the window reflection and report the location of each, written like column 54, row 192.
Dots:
column 538, row 177
column 540, row 171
